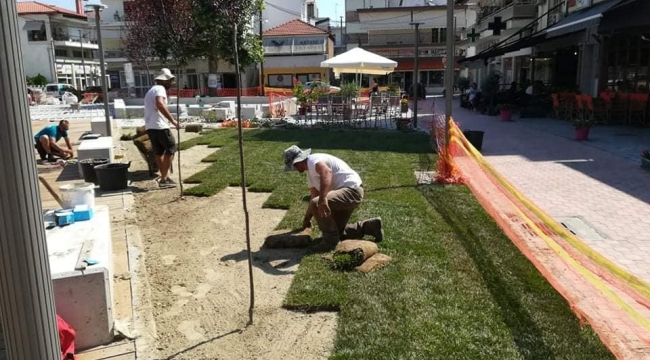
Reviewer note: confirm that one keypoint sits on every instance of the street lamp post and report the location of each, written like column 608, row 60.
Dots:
column 83, row 60
column 27, row 310
column 449, row 74
column 416, row 70
column 262, row 82
column 97, row 7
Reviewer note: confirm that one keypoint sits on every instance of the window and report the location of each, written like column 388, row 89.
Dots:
column 438, row 35
column 303, row 78
column 61, row 53
column 35, row 30
column 76, row 54
column 280, row 80
column 310, row 11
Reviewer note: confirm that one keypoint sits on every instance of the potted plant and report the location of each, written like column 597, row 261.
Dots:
column 645, row 159
column 349, row 91
column 404, row 105
column 301, row 97
column 582, row 127
column 394, row 90
column 506, row 110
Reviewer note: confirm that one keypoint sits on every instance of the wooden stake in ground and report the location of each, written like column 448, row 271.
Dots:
column 178, row 129
column 243, row 182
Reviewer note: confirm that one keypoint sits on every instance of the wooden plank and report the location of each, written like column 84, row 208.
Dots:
column 109, row 352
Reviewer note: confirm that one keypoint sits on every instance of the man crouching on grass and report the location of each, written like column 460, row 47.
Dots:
column 336, row 190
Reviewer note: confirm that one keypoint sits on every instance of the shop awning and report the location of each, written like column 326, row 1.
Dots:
column 581, row 20
column 514, row 46
column 33, row 25
column 627, row 16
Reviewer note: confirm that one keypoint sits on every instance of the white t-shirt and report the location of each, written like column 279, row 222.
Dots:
column 153, row 119
column 342, row 174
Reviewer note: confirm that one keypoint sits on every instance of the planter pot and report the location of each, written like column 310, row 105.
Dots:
column 347, row 114
column 506, row 114
column 302, row 111
column 403, row 124
column 405, row 108
column 645, row 164
column 582, row 134
column 475, row 138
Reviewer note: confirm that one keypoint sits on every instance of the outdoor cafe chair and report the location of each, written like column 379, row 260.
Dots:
column 637, row 109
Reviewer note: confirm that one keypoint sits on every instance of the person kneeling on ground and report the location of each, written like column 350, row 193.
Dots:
column 47, row 138
column 336, row 190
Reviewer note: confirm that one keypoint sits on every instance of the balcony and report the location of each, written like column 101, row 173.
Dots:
column 506, row 9
column 63, row 40
column 115, row 55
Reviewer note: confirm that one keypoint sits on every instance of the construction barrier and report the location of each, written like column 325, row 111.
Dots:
column 614, row 302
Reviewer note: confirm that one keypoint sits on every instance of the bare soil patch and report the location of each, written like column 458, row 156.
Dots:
column 198, row 274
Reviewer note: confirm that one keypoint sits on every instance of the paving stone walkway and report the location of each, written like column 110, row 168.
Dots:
column 597, row 187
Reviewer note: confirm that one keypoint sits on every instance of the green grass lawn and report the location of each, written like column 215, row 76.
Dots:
column 457, row 288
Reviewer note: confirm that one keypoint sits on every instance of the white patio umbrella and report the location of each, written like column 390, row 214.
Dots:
column 360, row 61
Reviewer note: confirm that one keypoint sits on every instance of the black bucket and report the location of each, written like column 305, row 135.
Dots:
column 88, row 169
column 112, row 177
column 475, row 138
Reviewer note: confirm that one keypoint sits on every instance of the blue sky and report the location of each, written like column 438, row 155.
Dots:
column 326, row 8
column 331, row 8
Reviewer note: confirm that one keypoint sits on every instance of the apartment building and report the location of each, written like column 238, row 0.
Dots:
column 575, row 45
column 59, row 44
column 195, row 74
column 384, row 27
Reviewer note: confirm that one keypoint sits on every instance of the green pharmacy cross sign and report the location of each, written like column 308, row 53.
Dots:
column 496, row 26
column 473, row 35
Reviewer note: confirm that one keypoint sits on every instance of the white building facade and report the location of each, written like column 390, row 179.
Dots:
column 58, row 44
column 384, row 27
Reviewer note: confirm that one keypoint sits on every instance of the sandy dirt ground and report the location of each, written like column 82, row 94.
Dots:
column 198, row 275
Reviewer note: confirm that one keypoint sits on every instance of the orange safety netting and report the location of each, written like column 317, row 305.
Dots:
column 615, row 302
column 277, row 103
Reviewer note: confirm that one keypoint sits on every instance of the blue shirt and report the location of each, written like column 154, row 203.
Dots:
column 51, row 131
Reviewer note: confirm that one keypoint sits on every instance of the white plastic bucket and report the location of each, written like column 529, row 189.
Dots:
column 78, row 194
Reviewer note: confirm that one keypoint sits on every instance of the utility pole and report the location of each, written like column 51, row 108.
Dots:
column 416, row 70
column 262, row 82
column 449, row 74
column 55, row 78
column 83, row 61
column 97, row 7
column 27, row 310
column 341, row 30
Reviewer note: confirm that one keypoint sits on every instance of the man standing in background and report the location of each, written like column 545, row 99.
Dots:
column 157, row 119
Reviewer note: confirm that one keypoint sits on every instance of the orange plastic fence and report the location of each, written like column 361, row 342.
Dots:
column 277, row 104
column 619, row 303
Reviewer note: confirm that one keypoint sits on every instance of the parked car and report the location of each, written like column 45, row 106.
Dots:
column 57, row 90
column 322, row 86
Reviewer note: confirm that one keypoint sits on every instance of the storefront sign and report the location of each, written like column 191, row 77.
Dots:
column 579, row 4
column 214, row 80
column 128, row 74
column 397, row 53
column 293, row 46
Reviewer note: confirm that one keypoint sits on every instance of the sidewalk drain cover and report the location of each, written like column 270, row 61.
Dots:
column 581, row 228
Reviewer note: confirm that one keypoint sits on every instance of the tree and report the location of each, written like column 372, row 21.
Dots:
column 139, row 34
column 214, row 28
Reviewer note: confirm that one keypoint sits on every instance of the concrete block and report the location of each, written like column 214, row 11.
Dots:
column 249, row 112
column 226, row 104
column 98, row 148
column 98, row 126
column 119, row 107
column 84, row 297
column 223, row 114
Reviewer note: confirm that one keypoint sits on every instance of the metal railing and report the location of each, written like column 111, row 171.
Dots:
column 72, row 38
column 494, row 6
